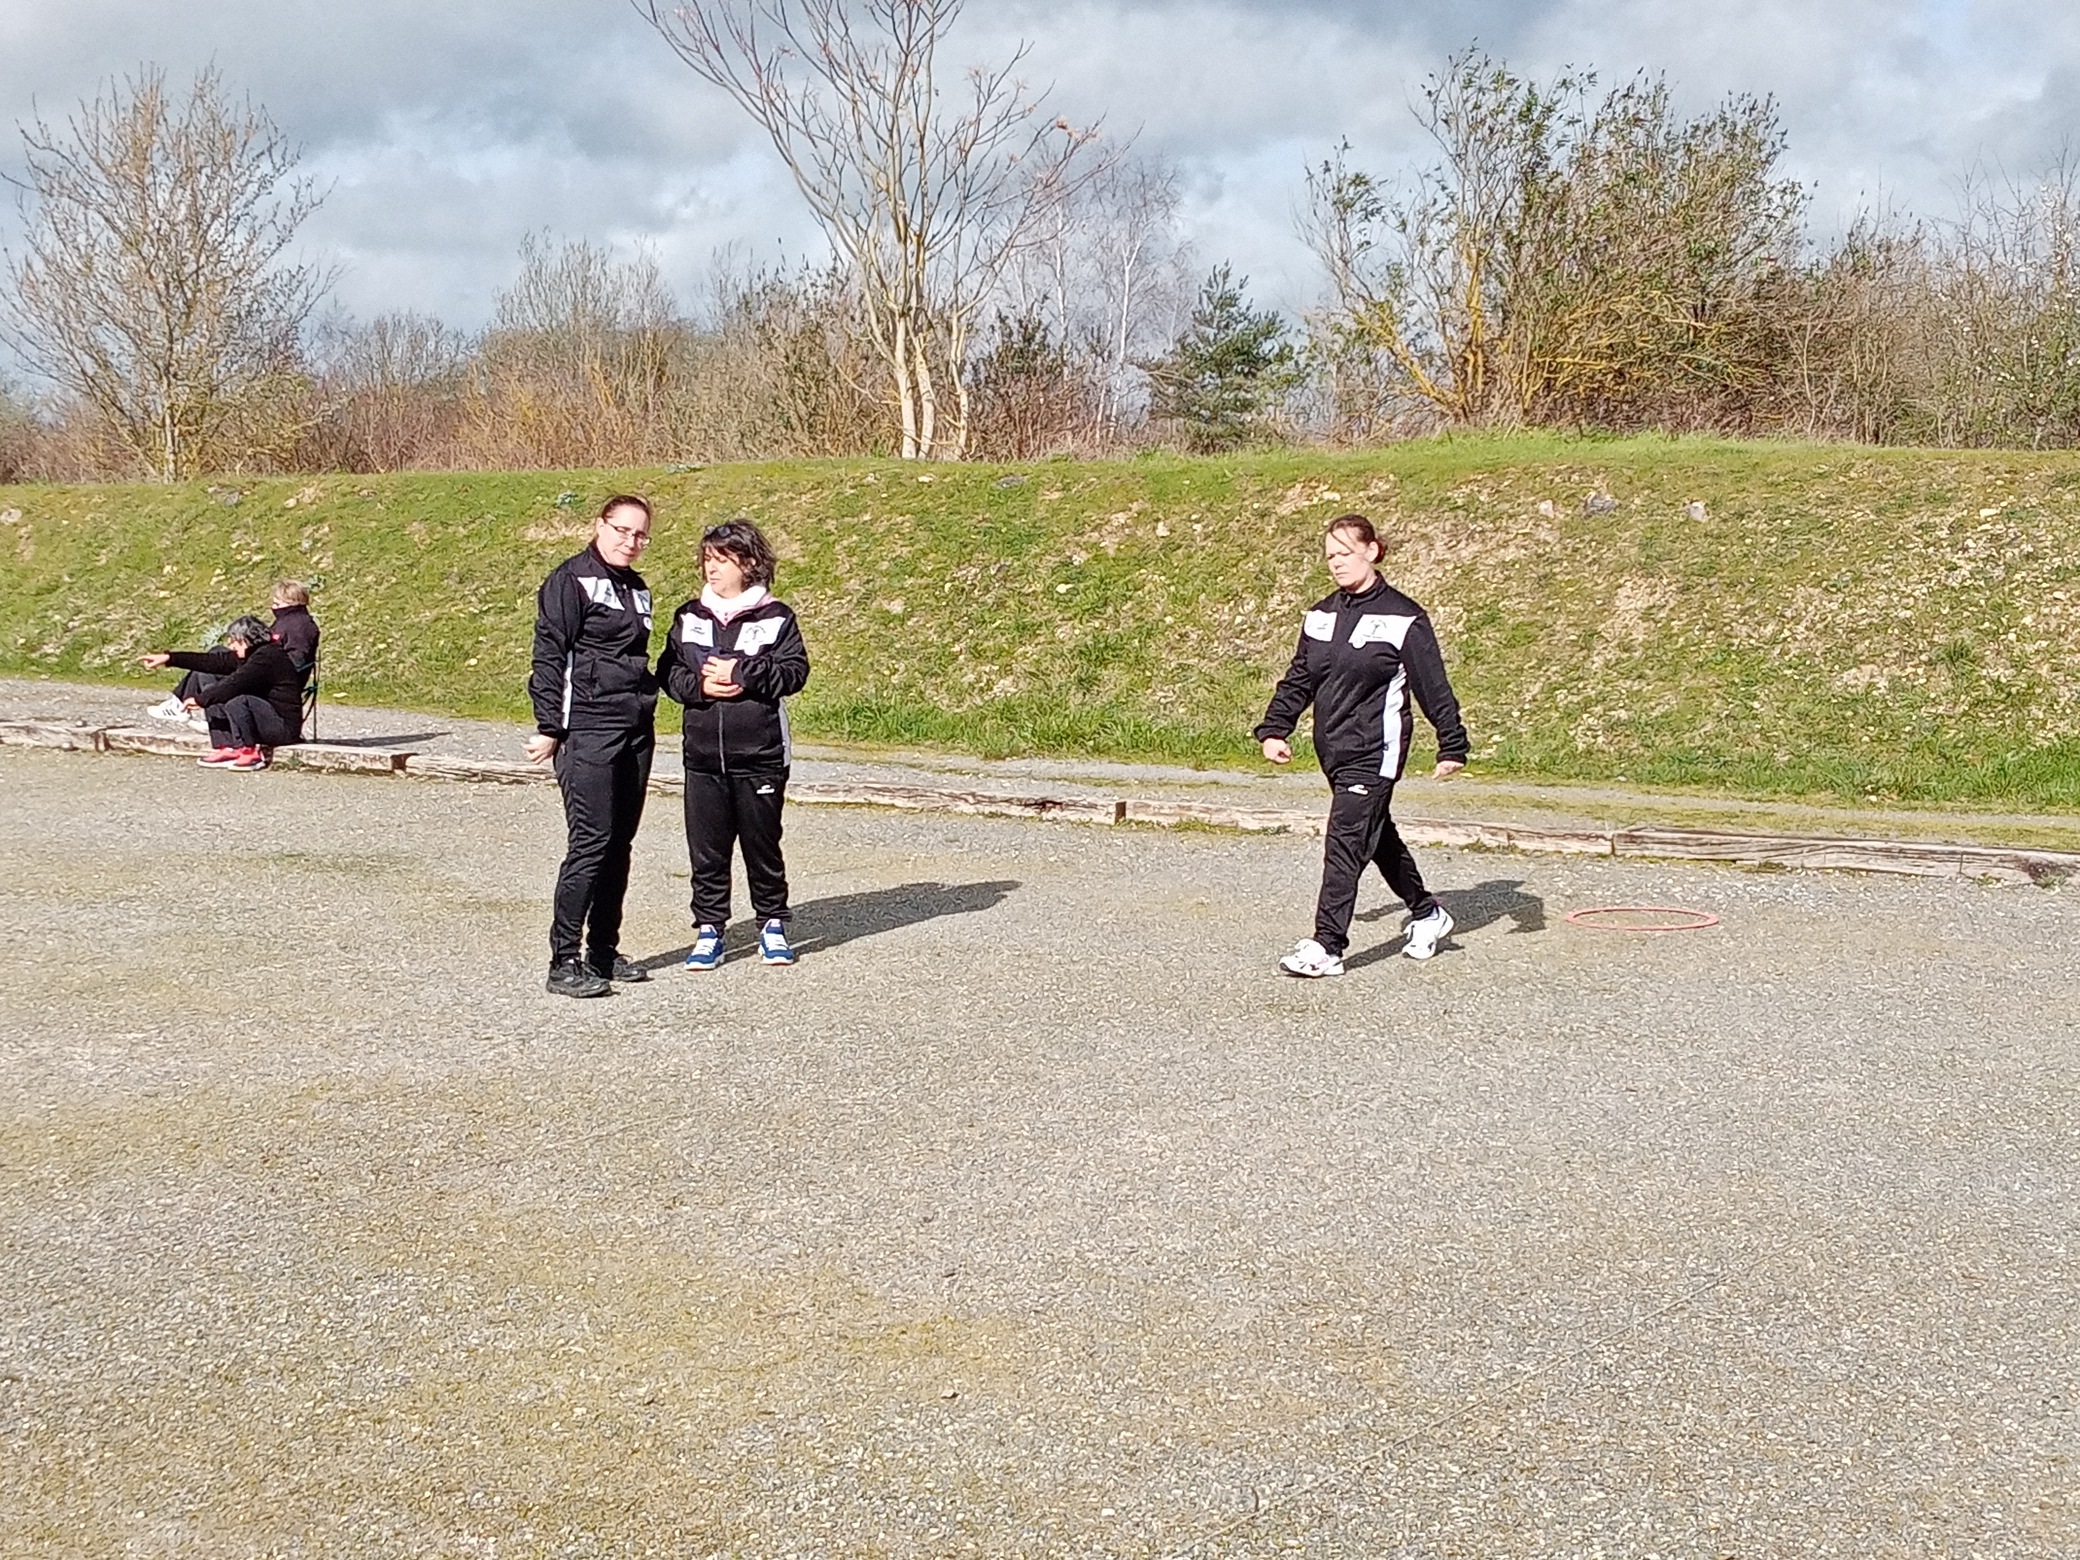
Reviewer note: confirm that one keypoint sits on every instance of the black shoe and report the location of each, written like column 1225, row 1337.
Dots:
column 576, row 980
column 624, row 972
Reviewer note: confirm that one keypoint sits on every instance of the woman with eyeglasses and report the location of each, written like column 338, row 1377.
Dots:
column 595, row 705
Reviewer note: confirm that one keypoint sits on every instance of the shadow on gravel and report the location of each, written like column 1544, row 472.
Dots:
column 823, row 924
column 404, row 739
column 1471, row 909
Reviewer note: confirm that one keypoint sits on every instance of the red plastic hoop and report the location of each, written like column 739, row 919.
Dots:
column 1697, row 922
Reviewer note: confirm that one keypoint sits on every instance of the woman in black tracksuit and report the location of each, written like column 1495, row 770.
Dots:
column 594, row 713
column 733, row 655
column 1363, row 651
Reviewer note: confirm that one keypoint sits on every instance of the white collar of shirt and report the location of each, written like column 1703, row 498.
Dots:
column 729, row 608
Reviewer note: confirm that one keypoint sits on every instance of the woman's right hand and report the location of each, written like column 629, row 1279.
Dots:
column 719, row 677
column 1278, row 750
column 541, row 747
column 155, row 659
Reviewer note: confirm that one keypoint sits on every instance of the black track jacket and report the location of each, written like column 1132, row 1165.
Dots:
column 748, row 732
column 265, row 670
column 296, row 631
column 592, row 650
column 1358, row 659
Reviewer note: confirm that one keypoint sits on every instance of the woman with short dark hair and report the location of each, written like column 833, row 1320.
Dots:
column 734, row 656
column 255, row 702
column 1363, row 650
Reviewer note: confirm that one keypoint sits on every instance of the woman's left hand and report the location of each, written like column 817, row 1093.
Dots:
column 1447, row 767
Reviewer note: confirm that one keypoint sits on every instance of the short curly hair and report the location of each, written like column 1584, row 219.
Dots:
column 745, row 545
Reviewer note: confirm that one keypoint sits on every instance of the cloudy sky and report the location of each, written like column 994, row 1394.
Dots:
column 448, row 129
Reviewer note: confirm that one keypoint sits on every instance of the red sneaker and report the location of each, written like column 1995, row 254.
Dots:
column 219, row 758
column 252, row 758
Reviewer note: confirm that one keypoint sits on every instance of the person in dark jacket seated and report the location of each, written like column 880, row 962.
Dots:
column 256, row 703
column 294, row 629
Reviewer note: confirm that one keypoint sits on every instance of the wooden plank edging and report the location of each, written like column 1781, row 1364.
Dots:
column 1916, row 858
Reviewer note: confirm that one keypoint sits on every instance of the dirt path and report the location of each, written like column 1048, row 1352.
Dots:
column 1467, row 797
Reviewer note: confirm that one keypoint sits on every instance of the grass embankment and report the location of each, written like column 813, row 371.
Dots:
column 1897, row 625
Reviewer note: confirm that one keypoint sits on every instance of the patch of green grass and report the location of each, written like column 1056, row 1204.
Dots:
column 1845, row 622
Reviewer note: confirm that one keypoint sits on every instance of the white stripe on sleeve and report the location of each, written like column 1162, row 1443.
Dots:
column 1390, row 723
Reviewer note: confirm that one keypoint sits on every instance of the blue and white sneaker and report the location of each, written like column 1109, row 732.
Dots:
column 772, row 943
column 706, row 951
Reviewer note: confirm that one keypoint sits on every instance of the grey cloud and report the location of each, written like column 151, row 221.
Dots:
column 450, row 129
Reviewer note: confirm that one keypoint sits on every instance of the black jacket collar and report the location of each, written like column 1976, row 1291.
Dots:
column 615, row 572
column 1354, row 598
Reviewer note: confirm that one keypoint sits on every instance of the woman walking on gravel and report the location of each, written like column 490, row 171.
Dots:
column 594, row 712
column 733, row 656
column 1363, row 650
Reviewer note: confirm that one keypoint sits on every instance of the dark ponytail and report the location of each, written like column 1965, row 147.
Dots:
column 1359, row 530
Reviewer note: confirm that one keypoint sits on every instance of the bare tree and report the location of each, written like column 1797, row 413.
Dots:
column 1422, row 280
column 390, row 391
column 1111, row 280
column 153, row 283
column 18, row 431
column 1571, row 258
column 580, row 362
column 926, row 200
column 784, row 367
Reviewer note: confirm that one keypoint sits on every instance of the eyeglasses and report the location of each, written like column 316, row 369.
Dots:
column 628, row 534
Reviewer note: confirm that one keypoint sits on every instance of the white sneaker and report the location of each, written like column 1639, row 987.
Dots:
column 198, row 720
column 1426, row 932
column 168, row 708
column 1310, row 960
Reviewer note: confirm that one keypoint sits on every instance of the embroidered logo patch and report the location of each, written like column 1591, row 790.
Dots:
column 1377, row 627
column 696, row 630
column 754, row 637
column 1320, row 625
column 602, row 592
column 1357, row 790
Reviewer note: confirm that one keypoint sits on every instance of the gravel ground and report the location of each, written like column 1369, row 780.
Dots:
column 1031, row 1214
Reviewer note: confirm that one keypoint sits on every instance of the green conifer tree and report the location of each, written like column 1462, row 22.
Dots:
column 1226, row 369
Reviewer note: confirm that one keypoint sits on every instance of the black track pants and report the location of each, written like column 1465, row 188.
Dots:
column 603, row 777
column 1361, row 833
column 723, row 813
column 193, row 685
column 248, row 721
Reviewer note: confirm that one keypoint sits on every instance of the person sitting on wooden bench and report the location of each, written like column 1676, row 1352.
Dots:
column 294, row 629
column 255, row 705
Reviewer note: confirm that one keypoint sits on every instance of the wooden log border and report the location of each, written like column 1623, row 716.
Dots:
column 1914, row 858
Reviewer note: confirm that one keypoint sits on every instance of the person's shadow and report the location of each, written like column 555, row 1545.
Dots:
column 823, row 924
column 402, row 739
column 1471, row 909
